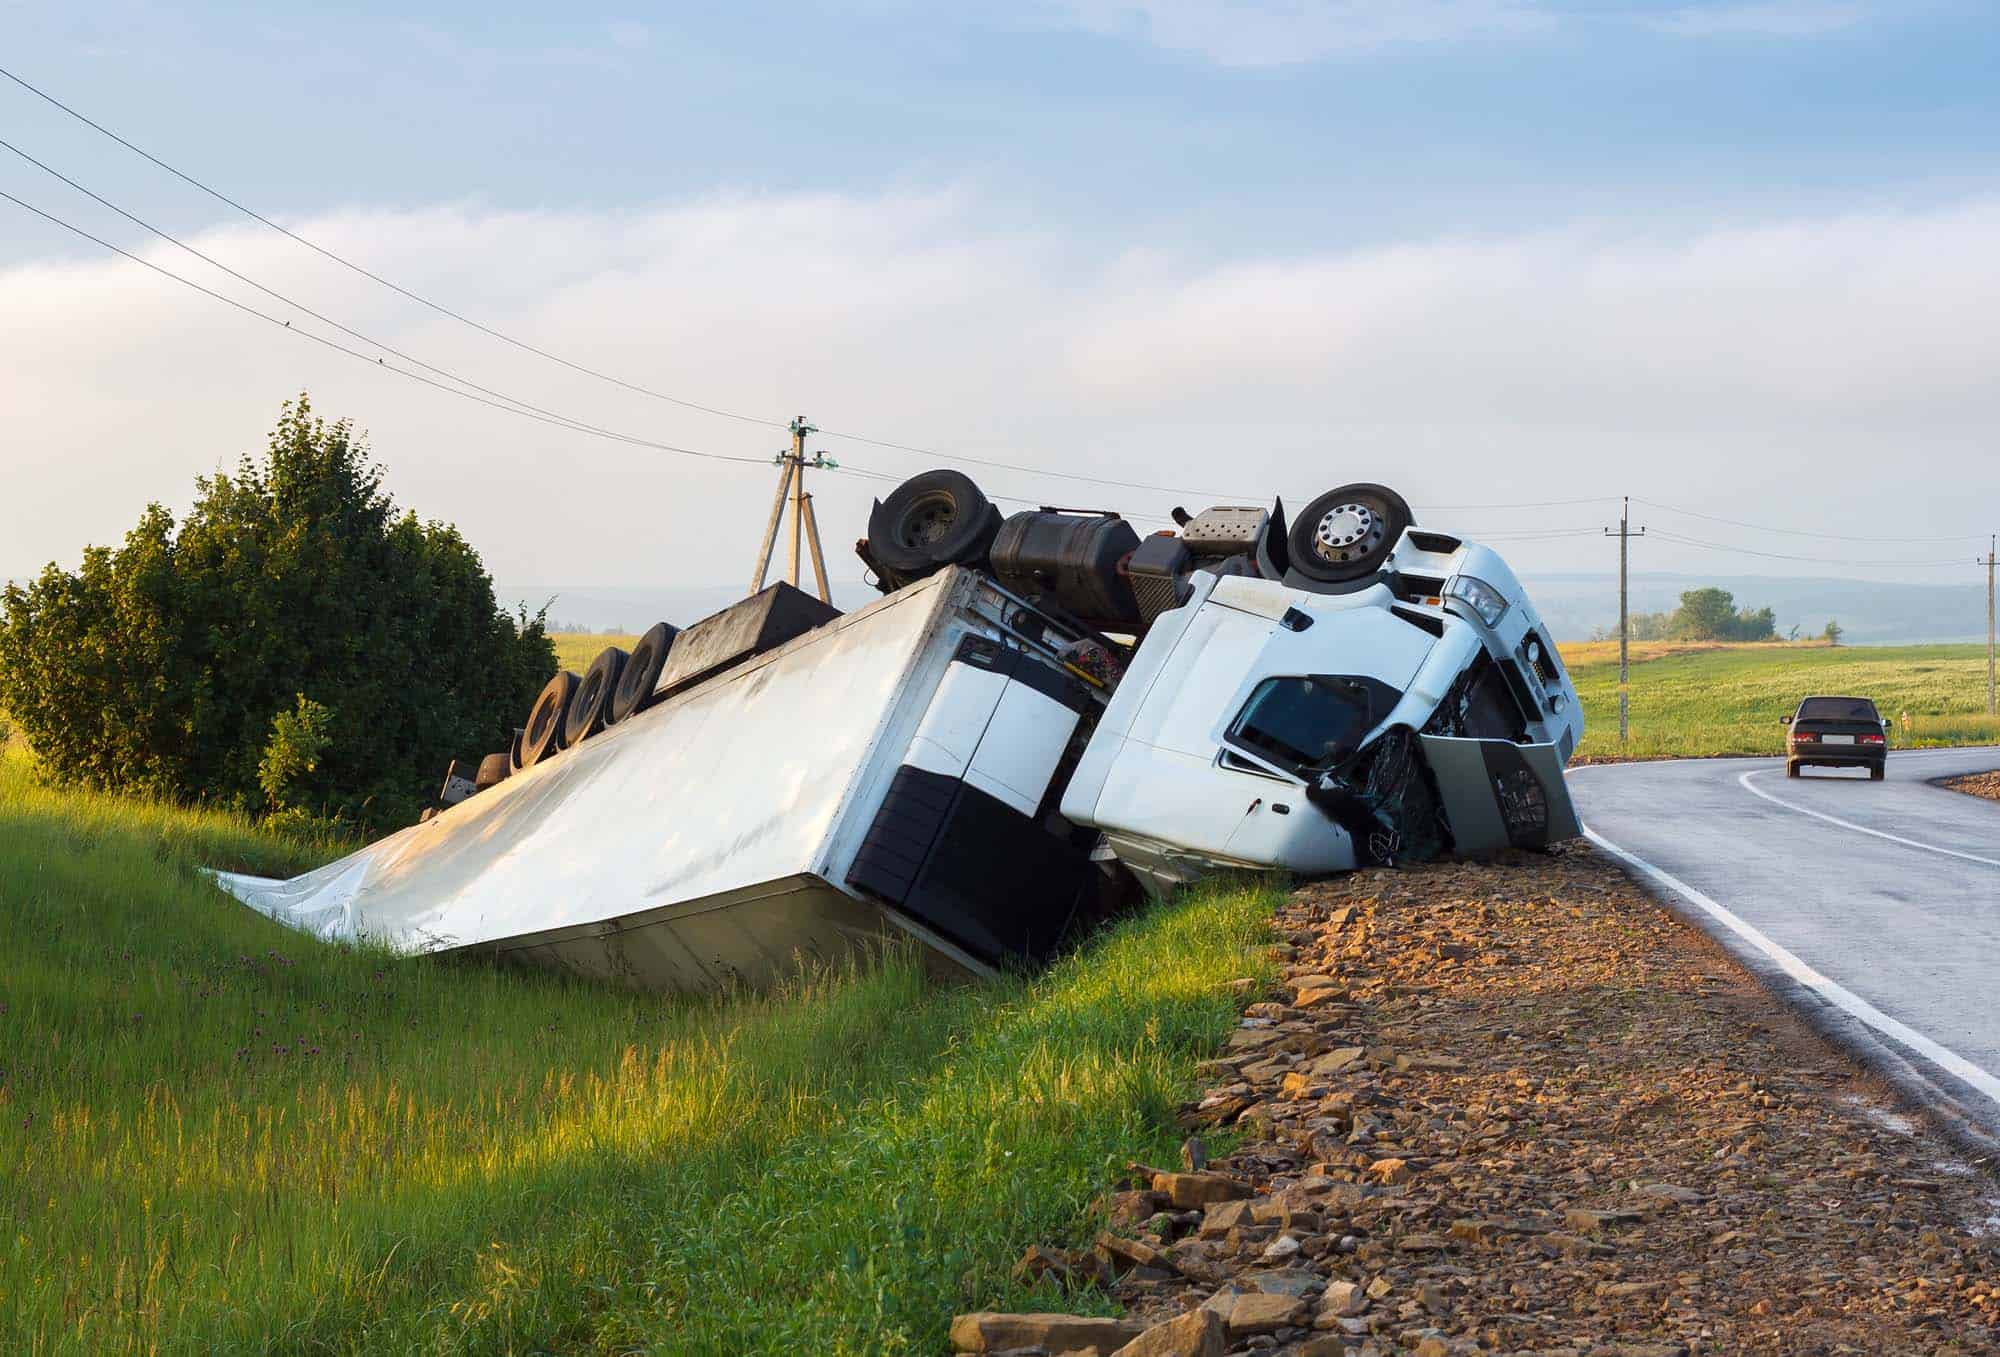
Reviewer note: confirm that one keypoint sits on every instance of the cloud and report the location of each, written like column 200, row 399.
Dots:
column 1769, row 18
column 1831, row 370
column 1252, row 33
column 1285, row 32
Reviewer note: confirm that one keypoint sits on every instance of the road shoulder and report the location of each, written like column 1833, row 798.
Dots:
column 1521, row 1107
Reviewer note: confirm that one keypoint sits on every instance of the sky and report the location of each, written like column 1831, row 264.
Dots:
column 1733, row 258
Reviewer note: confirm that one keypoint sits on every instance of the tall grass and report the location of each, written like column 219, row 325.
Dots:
column 1728, row 699
column 217, row 1135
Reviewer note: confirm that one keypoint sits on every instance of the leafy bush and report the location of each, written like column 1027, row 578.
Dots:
column 297, row 740
column 161, row 666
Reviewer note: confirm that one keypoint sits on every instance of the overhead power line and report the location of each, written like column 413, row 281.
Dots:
column 635, row 387
column 398, row 288
column 560, row 422
column 1781, row 556
column 446, row 373
column 1803, row 532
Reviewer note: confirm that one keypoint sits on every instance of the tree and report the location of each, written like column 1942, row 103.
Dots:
column 1834, row 631
column 1705, row 615
column 1711, row 614
column 162, row 665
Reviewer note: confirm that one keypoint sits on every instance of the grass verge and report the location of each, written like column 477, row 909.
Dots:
column 216, row 1135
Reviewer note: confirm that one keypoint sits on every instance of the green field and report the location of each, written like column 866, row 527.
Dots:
column 1692, row 700
column 217, row 1135
column 576, row 649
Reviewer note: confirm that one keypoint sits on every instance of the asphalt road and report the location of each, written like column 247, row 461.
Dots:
column 1875, row 905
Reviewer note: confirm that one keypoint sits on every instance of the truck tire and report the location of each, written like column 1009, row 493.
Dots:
column 1347, row 533
column 493, row 770
column 930, row 521
column 641, row 674
column 592, row 702
column 543, row 735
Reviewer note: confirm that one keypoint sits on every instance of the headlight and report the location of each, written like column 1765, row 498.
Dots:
column 1479, row 596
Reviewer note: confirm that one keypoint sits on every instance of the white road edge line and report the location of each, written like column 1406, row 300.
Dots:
column 1844, row 999
column 1744, row 783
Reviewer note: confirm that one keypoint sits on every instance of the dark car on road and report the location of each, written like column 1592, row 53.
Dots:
column 1836, row 732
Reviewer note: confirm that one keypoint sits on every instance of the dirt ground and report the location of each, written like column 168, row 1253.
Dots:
column 1976, row 784
column 1523, row 1108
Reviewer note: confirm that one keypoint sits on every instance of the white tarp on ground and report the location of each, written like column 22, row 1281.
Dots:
column 693, row 845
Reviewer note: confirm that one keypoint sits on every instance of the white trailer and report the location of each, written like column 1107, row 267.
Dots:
column 718, row 838
column 1037, row 712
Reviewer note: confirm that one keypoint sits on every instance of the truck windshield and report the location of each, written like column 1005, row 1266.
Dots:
column 1305, row 722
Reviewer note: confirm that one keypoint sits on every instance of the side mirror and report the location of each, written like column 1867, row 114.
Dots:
column 1885, row 723
column 1784, row 720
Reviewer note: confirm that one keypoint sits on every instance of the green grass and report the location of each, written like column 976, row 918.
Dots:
column 218, row 1135
column 576, row 649
column 1727, row 699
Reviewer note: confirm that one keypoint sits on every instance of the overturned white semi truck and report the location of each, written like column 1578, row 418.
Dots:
column 1041, row 712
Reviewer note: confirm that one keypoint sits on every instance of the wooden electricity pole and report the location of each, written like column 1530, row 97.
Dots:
column 792, row 465
column 1625, row 534
column 1991, row 708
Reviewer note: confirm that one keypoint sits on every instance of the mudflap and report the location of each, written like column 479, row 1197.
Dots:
column 1498, row 794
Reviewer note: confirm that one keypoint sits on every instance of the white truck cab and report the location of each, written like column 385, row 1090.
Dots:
column 1263, row 725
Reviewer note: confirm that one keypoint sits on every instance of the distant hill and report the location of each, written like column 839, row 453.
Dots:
column 1870, row 611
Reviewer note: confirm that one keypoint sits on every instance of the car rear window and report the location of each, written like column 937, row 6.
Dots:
column 1837, row 709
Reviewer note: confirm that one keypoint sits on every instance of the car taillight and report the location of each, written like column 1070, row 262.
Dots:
column 1872, row 739
column 1804, row 736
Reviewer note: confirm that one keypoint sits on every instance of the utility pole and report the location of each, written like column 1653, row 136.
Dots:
column 1625, row 534
column 1992, row 709
column 792, row 466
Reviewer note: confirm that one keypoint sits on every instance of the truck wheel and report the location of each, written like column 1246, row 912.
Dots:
column 493, row 770
column 593, row 696
column 634, row 691
column 930, row 521
column 544, row 733
column 1876, row 773
column 1347, row 533
column 1791, row 767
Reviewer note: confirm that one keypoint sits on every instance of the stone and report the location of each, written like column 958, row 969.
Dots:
column 1122, row 1253
column 1343, row 1299
column 1223, row 1217
column 1296, row 1282
column 1039, row 1262
column 1184, row 1190
column 1337, row 1060
column 1668, row 1192
column 1391, row 1171
column 1194, row 1154
column 1325, row 1345
column 989, row 1331
column 1261, row 1312
column 1198, row 1333
column 1590, row 1222
column 1280, row 1250
column 1422, row 1243
column 1130, row 1209
column 1310, row 982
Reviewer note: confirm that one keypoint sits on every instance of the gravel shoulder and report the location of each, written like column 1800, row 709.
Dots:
column 1521, row 1107
column 1975, row 784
